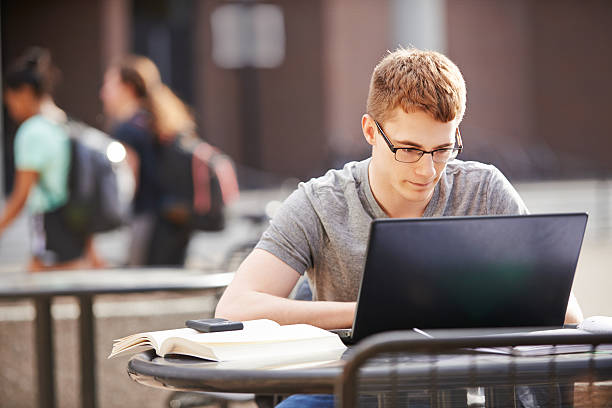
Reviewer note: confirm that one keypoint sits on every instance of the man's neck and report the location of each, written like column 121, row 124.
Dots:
column 397, row 207
column 393, row 204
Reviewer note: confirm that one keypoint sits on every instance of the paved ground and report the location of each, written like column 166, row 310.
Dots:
column 121, row 315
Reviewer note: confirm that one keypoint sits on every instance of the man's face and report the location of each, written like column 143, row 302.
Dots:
column 412, row 182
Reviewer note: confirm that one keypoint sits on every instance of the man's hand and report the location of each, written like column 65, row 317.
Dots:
column 573, row 313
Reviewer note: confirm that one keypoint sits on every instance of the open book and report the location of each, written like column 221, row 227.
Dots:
column 257, row 340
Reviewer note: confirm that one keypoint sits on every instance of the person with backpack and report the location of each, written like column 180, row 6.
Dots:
column 147, row 117
column 42, row 161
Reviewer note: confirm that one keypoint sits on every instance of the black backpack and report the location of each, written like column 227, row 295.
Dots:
column 197, row 182
column 100, row 184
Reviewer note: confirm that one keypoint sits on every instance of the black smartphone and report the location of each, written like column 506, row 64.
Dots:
column 213, row 325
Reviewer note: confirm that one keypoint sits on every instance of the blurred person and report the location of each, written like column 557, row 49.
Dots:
column 42, row 160
column 415, row 104
column 147, row 115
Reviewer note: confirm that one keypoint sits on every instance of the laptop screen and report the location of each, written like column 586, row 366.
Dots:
column 468, row 272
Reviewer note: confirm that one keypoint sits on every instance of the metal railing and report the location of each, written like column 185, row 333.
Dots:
column 396, row 369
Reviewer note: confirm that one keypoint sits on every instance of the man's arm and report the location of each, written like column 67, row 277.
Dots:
column 260, row 289
column 573, row 313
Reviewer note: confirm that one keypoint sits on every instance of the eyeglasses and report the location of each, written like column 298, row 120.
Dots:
column 413, row 155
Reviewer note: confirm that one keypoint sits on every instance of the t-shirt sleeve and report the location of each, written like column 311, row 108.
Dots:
column 502, row 197
column 294, row 232
column 32, row 147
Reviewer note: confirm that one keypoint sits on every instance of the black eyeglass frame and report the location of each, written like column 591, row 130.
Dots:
column 458, row 148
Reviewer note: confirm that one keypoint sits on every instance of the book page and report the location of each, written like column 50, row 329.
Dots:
column 273, row 361
column 258, row 339
column 311, row 347
column 156, row 339
column 252, row 329
column 290, row 342
column 261, row 334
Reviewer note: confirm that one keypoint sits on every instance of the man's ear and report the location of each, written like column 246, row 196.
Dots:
column 369, row 129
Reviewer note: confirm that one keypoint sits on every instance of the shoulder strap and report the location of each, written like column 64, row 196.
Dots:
column 224, row 169
column 201, row 177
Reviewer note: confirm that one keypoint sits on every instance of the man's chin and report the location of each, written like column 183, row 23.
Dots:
column 417, row 195
column 420, row 186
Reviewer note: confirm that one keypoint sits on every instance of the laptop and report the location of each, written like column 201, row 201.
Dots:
column 467, row 272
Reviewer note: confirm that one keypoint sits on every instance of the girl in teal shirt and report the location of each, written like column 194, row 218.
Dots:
column 42, row 161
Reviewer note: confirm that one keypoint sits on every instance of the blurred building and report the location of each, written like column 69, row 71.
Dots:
column 281, row 84
column 538, row 84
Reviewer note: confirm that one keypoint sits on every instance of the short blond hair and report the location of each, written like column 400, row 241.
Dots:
column 417, row 80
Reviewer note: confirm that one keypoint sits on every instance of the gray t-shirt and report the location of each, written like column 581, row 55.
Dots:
column 323, row 226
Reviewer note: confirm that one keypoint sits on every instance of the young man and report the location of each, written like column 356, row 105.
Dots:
column 415, row 104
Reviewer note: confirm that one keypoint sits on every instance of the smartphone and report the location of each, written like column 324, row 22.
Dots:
column 213, row 325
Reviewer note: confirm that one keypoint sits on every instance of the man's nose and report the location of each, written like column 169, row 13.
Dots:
column 425, row 166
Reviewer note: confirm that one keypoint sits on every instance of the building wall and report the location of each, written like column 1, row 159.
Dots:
column 490, row 42
column 537, row 75
column 82, row 36
column 538, row 83
column 72, row 31
column 310, row 107
column 268, row 118
column 572, row 55
column 356, row 36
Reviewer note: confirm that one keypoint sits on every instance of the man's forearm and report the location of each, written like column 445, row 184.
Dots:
column 256, row 305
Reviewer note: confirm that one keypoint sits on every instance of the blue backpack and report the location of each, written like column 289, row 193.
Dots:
column 100, row 184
